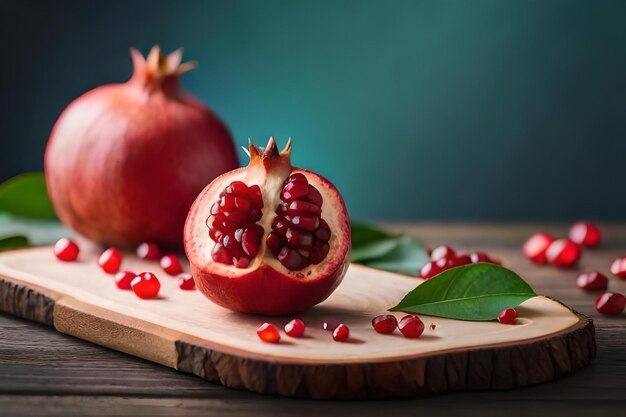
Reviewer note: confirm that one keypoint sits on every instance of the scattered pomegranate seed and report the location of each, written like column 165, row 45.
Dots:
column 610, row 303
column 148, row 251
column 536, row 246
column 110, row 260
column 330, row 324
column 66, row 250
column 411, row 326
column 186, row 282
column 592, row 281
column 587, row 234
column 385, row 323
column 507, row 316
column 432, row 268
column 563, row 253
column 618, row 267
column 341, row 333
column 477, row 257
column 433, row 326
column 459, row 260
column 441, row 252
column 146, row 285
column 295, row 328
column 171, row 265
column 268, row 333
column 123, row 279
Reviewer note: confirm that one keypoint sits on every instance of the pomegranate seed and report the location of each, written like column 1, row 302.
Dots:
column 330, row 324
column 110, row 260
column 171, row 265
column 433, row 326
column 148, row 251
column 295, row 328
column 460, row 260
column 587, row 234
column 610, row 303
column 123, row 279
column 507, row 316
column 341, row 333
column 411, row 326
column 477, row 257
column 536, row 246
column 66, row 250
column 186, row 282
column 268, row 333
column 618, row 267
column 146, row 285
column 441, row 252
column 385, row 324
column 563, row 253
column 592, row 281
column 432, row 268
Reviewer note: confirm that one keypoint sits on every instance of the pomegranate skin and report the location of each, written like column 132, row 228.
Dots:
column 124, row 162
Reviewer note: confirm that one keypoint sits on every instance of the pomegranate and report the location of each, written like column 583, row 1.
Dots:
column 124, row 162
column 268, row 238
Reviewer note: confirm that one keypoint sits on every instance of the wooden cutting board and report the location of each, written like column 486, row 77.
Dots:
column 185, row 331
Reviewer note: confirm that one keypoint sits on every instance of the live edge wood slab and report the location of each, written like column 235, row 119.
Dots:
column 185, row 331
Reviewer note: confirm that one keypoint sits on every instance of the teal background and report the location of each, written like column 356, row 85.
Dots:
column 414, row 109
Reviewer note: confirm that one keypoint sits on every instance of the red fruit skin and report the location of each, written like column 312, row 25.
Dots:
column 124, row 162
column 563, row 253
column 110, row 260
column 536, row 246
column 618, row 267
column 66, row 250
column 587, row 234
column 146, row 285
column 507, row 316
column 295, row 328
column 610, row 303
column 592, row 281
column 123, row 280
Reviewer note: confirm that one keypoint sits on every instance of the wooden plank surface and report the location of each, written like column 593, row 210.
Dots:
column 46, row 373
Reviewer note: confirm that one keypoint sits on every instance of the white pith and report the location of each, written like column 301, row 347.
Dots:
column 201, row 245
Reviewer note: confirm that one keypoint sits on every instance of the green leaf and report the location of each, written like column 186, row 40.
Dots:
column 13, row 242
column 26, row 195
column 373, row 250
column 406, row 258
column 38, row 232
column 470, row 292
column 363, row 234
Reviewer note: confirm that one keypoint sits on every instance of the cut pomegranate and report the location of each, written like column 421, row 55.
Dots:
column 148, row 251
column 295, row 328
column 66, row 250
column 110, row 260
column 268, row 238
column 268, row 333
column 146, row 285
column 171, row 265
column 587, row 234
column 186, row 282
column 507, row 316
column 563, row 253
column 341, row 333
column 123, row 279
column 610, row 303
column 618, row 267
column 536, row 246
column 592, row 281
column 385, row 324
column 411, row 326
column 330, row 324
column 441, row 252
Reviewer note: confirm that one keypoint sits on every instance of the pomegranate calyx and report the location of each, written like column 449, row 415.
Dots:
column 158, row 71
column 269, row 156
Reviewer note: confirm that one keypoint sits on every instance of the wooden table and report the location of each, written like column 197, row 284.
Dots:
column 43, row 372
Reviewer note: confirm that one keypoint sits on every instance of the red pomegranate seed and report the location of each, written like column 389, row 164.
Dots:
column 171, row 265
column 441, row 252
column 186, row 282
column 330, row 324
column 66, row 250
column 460, row 260
column 592, row 281
column 432, row 268
column 385, row 323
column 110, row 260
column 618, row 267
column 610, row 303
column 146, row 285
column 268, row 333
column 507, row 316
column 477, row 257
column 341, row 333
column 536, row 246
column 563, row 253
column 123, row 279
column 587, row 234
column 411, row 326
column 433, row 326
column 295, row 328
column 148, row 251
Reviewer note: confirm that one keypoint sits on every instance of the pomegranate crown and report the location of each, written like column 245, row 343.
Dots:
column 157, row 64
column 269, row 155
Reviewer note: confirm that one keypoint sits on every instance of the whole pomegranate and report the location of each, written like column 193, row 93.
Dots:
column 268, row 238
column 124, row 162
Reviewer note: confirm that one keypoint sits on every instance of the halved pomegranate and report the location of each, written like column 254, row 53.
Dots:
column 268, row 238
